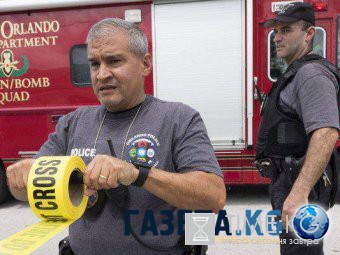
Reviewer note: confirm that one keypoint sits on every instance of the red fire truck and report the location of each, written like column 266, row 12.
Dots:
column 211, row 55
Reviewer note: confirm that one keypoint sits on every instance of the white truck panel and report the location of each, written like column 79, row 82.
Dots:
column 199, row 60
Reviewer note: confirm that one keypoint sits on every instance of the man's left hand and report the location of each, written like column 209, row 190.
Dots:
column 106, row 172
column 292, row 203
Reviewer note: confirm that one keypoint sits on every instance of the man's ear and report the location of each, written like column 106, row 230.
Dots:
column 147, row 64
column 310, row 33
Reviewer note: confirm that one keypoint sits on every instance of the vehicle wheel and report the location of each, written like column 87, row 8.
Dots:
column 4, row 192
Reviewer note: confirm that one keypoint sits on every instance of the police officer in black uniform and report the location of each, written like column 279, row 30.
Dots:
column 300, row 122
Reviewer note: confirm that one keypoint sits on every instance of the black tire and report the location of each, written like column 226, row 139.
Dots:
column 4, row 192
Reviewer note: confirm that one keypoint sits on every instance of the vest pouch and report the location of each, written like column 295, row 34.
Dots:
column 286, row 134
column 287, row 138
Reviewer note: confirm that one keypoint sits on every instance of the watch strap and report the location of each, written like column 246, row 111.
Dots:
column 142, row 175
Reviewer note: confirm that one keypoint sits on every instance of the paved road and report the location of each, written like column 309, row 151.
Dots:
column 16, row 216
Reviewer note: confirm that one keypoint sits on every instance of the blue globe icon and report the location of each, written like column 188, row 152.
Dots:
column 310, row 222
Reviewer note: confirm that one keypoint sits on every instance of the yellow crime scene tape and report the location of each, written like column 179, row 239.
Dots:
column 54, row 198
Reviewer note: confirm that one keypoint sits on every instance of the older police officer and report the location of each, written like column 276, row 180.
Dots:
column 176, row 166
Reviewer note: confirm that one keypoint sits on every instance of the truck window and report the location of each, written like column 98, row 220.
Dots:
column 80, row 70
column 276, row 66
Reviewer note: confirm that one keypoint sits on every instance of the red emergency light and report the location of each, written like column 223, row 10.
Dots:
column 319, row 5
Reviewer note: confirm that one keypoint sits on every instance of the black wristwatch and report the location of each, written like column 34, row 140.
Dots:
column 142, row 175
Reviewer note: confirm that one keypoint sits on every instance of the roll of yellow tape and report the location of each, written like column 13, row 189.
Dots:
column 53, row 198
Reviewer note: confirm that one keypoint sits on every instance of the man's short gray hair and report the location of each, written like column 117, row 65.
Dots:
column 138, row 43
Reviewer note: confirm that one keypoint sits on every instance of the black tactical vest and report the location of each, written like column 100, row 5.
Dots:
column 282, row 134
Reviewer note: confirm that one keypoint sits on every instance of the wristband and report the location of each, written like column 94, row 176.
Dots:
column 142, row 175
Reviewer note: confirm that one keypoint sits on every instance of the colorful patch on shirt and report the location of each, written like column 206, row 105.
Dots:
column 143, row 149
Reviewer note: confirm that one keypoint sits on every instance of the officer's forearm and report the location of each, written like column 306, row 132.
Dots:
column 318, row 154
column 192, row 190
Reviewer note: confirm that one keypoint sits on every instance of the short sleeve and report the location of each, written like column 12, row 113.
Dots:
column 317, row 97
column 192, row 149
column 56, row 143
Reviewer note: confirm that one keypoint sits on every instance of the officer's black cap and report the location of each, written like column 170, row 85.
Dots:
column 293, row 12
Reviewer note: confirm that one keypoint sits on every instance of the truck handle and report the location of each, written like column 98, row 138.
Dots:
column 258, row 95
